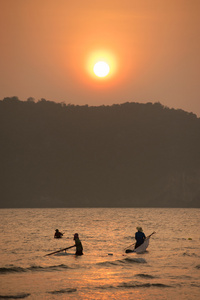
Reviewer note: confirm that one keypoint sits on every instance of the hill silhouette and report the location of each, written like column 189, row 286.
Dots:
column 125, row 155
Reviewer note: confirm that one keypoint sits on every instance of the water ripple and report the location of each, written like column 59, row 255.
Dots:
column 142, row 285
column 197, row 267
column 19, row 296
column 63, row 291
column 145, row 276
column 33, row 268
column 126, row 261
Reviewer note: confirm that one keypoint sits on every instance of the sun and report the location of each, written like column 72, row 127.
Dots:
column 101, row 65
column 101, row 69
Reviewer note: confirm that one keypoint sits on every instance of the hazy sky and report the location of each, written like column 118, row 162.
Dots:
column 48, row 49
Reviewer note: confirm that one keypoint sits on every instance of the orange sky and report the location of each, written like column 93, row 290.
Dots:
column 153, row 47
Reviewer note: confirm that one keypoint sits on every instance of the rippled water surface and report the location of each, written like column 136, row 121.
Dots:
column 170, row 269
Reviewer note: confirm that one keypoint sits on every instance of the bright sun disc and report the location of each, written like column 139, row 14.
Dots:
column 101, row 69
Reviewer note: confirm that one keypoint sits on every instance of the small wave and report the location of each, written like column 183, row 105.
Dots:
column 180, row 277
column 63, row 291
column 108, row 263
column 190, row 254
column 126, row 260
column 19, row 296
column 135, row 260
column 195, row 285
column 142, row 285
column 197, row 267
column 12, row 270
column 105, row 287
column 32, row 268
column 161, row 285
column 49, row 268
column 145, row 276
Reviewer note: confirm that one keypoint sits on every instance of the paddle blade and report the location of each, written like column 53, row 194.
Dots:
column 129, row 251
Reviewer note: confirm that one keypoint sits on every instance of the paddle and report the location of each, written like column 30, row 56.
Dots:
column 59, row 250
column 129, row 246
column 150, row 235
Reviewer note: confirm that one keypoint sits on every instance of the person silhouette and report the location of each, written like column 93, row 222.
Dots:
column 139, row 236
column 78, row 245
column 58, row 234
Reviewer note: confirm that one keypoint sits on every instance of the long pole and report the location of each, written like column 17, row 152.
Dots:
column 150, row 235
column 129, row 246
column 59, row 250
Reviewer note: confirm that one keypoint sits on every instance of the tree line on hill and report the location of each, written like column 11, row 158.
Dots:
column 123, row 155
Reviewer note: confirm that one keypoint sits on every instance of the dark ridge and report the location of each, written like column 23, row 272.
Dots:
column 124, row 155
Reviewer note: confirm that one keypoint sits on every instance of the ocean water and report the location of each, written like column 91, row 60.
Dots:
column 169, row 269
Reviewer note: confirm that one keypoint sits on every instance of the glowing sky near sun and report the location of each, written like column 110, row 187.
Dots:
column 49, row 49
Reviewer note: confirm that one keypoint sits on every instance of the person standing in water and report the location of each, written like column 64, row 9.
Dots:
column 78, row 245
column 58, row 234
column 139, row 236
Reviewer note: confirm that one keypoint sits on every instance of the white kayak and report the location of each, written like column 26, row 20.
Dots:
column 142, row 248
